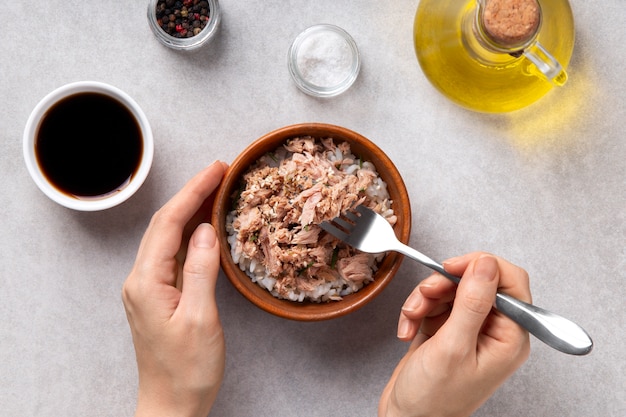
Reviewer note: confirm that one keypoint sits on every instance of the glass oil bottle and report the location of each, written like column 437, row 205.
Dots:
column 463, row 55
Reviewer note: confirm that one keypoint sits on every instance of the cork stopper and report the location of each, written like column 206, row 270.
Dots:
column 511, row 24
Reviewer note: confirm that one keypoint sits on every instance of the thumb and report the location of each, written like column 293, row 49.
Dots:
column 474, row 300
column 200, row 269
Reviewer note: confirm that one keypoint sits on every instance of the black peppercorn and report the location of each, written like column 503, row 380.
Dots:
column 182, row 19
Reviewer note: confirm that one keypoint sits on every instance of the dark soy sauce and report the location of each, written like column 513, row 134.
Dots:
column 89, row 145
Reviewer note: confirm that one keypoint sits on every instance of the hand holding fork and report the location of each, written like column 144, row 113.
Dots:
column 369, row 232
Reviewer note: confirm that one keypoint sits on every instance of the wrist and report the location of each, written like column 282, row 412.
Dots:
column 168, row 404
column 397, row 407
column 393, row 409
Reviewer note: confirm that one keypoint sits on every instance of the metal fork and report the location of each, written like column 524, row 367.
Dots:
column 369, row 232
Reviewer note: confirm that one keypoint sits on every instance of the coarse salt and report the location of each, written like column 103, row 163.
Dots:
column 325, row 59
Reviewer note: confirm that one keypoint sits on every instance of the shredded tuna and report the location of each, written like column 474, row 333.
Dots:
column 274, row 228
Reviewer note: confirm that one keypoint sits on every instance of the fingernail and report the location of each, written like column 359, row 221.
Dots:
column 217, row 162
column 403, row 328
column 413, row 301
column 204, row 237
column 486, row 268
column 428, row 284
column 451, row 261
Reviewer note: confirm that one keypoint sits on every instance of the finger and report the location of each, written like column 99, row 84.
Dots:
column 514, row 280
column 411, row 316
column 431, row 324
column 432, row 291
column 164, row 235
column 474, row 300
column 435, row 287
column 203, row 215
column 407, row 327
column 430, row 298
column 200, row 272
column 459, row 264
column 438, row 287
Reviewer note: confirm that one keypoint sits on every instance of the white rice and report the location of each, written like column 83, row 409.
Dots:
column 329, row 290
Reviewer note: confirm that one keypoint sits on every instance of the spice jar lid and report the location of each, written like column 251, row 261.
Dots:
column 324, row 60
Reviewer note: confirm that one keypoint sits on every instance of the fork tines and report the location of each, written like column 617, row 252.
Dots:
column 342, row 225
column 336, row 228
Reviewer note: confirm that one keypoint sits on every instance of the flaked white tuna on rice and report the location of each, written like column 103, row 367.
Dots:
column 273, row 229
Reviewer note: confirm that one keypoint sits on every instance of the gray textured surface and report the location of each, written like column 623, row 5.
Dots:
column 543, row 187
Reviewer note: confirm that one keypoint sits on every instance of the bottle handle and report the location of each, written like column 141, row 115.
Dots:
column 547, row 65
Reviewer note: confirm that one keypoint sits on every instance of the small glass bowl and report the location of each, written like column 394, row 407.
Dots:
column 186, row 44
column 324, row 60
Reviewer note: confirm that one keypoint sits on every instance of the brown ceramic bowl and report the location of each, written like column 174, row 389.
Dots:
column 309, row 311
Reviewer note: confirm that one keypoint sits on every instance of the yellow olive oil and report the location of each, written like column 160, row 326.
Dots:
column 456, row 63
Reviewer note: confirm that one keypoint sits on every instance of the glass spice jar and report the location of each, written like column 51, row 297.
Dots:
column 181, row 40
column 324, row 60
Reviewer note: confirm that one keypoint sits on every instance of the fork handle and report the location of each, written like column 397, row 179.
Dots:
column 557, row 332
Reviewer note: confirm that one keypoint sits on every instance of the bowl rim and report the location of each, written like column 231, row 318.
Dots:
column 309, row 311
